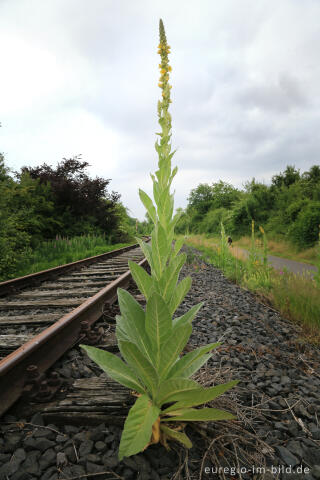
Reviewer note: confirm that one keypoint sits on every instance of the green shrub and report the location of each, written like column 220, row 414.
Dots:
column 304, row 231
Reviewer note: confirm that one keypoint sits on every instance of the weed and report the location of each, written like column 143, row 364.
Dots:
column 63, row 250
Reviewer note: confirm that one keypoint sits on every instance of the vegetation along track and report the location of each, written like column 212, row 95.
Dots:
column 44, row 314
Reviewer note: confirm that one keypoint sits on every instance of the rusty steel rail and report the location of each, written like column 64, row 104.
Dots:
column 11, row 286
column 48, row 346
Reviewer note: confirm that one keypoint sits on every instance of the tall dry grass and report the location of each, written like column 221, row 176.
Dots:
column 296, row 297
column 281, row 248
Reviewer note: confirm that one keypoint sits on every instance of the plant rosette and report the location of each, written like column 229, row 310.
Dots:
column 151, row 341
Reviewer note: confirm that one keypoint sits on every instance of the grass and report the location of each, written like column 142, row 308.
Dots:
column 296, row 297
column 281, row 248
column 64, row 250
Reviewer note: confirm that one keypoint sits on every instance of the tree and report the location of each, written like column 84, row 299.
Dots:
column 287, row 178
column 224, row 195
column 200, row 198
column 81, row 204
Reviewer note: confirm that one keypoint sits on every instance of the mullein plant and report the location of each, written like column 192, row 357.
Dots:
column 253, row 257
column 151, row 340
column 265, row 246
column 317, row 274
column 224, row 248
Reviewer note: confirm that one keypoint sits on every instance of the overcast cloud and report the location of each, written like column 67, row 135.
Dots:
column 80, row 77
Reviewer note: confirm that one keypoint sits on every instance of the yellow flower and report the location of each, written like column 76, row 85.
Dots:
column 160, row 85
column 163, row 71
column 261, row 230
column 170, row 68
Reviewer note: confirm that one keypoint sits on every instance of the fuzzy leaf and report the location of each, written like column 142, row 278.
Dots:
column 174, row 171
column 196, row 365
column 155, row 189
column 200, row 396
column 147, row 251
column 171, row 350
column 120, row 329
column 114, row 367
column 160, row 249
column 147, row 202
column 133, row 323
column 170, row 277
column 138, row 427
column 201, row 415
column 169, row 389
column 179, row 436
column 142, row 279
column 189, row 316
column 183, row 365
column 177, row 247
column 165, row 205
column 144, row 369
column 158, row 323
column 180, row 292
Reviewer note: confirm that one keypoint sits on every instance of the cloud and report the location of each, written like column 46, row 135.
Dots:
column 83, row 80
column 280, row 97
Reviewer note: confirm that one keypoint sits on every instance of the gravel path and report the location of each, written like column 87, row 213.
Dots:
column 280, row 263
column 277, row 404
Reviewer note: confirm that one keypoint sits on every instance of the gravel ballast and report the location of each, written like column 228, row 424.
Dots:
column 277, row 404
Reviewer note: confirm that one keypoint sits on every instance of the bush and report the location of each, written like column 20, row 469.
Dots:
column 304, row 231
column 212, row 221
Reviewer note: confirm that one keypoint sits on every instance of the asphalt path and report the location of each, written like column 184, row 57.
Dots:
column 282, row 264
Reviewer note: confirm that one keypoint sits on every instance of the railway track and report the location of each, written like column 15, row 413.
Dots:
column 43, row 315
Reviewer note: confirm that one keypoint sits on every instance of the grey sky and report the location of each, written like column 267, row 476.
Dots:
column 80, row 77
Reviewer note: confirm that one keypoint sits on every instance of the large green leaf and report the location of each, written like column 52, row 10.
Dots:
column 146, row 248
column 142, row 279
column 147, row 202
column 169, row 389
column 138, row 427
column 200, row 396
column 156, row 259
column 177, row 247
column 166, row 205
column 160, row 249
column 155, row 188
column 133, row 323
column 170, row 276
column 158, row 323
column 179, row 436
column 171, row 350
column 175, row 220
column 120, row 329
column 141, row 366
column 189, row 316
column 182, row 367
column 196, row 365
column 115, row 368
column 180, row 292
column 201, row 415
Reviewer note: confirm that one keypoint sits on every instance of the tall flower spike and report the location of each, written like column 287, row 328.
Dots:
column 164, row 174
column 150, row 340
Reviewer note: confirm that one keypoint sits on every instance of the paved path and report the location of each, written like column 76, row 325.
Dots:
column 280, row 263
